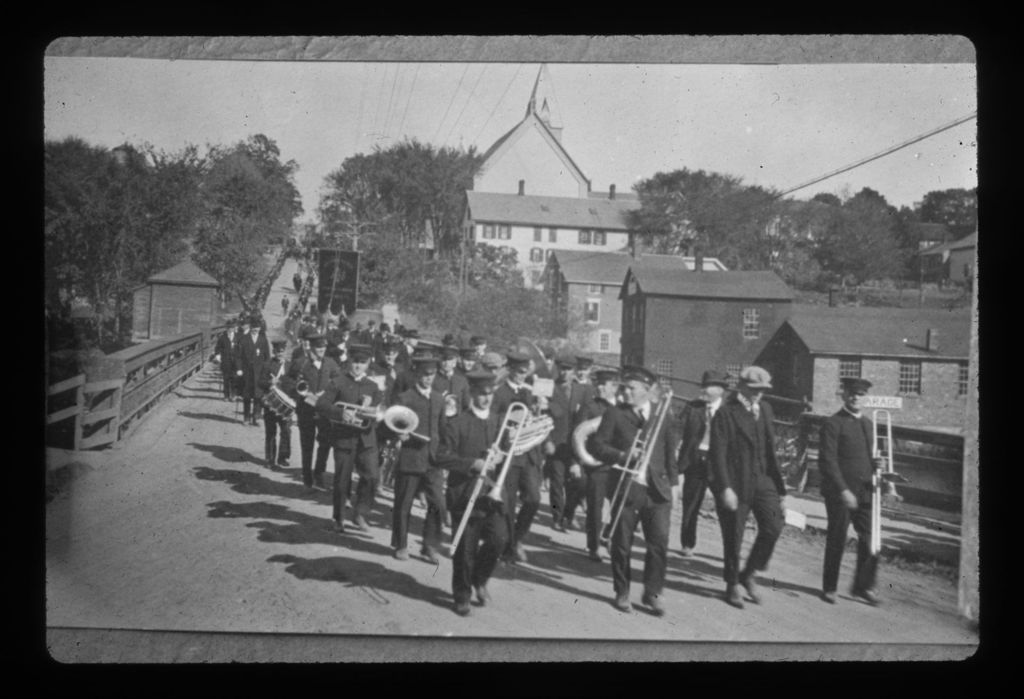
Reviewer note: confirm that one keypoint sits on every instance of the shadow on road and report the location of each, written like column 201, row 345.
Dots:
column 249, row 483
column 527, row 574
column 209, row 416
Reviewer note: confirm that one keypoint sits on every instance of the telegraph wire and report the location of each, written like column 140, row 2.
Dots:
column 498, row 103
column 415, row 75
column 387, row 114
column 451, row 102
column 472, row 91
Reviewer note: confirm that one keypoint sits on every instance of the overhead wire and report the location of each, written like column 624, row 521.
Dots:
column 498, row 103
column 464, row 106
column 387, row 113
column 450, row 102
column 412, row 87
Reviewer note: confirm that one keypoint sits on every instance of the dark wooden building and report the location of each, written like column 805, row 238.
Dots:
column 682, row 323
column 181, row 299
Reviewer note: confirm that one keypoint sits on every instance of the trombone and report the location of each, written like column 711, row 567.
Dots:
column 521, row 431
column 884, row 478
column 637, row 461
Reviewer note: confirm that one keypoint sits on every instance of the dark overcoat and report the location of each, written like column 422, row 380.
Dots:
column 733, row 440
column 844, row 456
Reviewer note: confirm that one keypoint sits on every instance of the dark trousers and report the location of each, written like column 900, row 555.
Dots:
column 598, row 490
column 695, row 486
column 524, row 482
column 839, row 519
column 369, row 476
column 767, row 508
column 407, row 487
column 273, row 451
column 250, row 406
column 566, row 493
column 307, row 443
column 347, row 459
column 654, row 520
column 228, row 376
column 482, row 543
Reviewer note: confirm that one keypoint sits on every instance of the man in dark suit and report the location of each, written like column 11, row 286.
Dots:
column 271, row 372
column 522, row 483
column 417, row 469
column 253, row 349
column 651, row 505
column 465, row 442
column 449, row 382
column 355, row 445
column 598, row 476
column 225, row 351
column 847, row 465
column 693, row 457
column 565, row 491
column 316, row 370
column 583, row 390
column 745, row 478
column 468, row 360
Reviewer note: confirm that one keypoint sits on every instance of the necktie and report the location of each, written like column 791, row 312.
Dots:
column 755, row 408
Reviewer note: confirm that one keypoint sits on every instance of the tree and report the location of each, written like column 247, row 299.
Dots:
column 859, row 240
column 248, row 198
column 957, row 208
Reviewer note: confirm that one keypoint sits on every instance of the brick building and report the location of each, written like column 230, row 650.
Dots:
column 916, row 360
column 178, row 300
column 586, row 286
column 683, row 323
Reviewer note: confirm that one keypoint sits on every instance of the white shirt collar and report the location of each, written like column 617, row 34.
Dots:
column 858, row 414
column 482, row 414
column 425, row 394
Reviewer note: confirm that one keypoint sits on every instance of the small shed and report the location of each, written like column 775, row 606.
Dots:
column 178, row 300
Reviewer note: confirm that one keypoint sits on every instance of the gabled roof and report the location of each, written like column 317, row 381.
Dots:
column 850, row 330
column 968, row 241
column 632, row 196
column 763, row 285
column 507, row 139
column 184, row 273
column 929, row 231
column 565, row 212
column 585, row 267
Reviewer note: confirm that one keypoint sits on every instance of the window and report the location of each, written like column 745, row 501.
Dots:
column 552, row 235
column 751, row 324
column 504, row 232
column 584, row 237
column 600, row 238
column 604, row 341
column 733, row 371
column 592, row 311
column 963, row 379
column 488, row 232
column 663, row 367
column 849, row 368
column 910, row 378
column 536, row 255
column 538, row 235
column 594, row 288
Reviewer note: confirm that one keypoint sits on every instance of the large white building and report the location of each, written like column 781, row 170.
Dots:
column 531, row 197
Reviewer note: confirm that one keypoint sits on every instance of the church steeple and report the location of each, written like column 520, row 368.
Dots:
column 542, row 102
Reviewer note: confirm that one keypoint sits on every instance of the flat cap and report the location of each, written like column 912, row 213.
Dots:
column 755, row 377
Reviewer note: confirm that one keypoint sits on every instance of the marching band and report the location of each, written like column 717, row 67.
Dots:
column 476, row 433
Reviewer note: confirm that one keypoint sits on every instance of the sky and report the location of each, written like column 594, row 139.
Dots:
column 771, row 125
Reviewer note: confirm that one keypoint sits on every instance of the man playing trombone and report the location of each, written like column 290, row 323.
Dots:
column 631, row 435
column 465, row 444
column 350, row 405
column 846, row 464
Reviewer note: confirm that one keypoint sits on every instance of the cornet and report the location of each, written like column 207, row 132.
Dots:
column 362, row 417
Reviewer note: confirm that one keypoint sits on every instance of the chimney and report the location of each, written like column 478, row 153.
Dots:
column 611, row 192
column 698, row 260
column 833, row 292
column 522, row 187
column 932, row 340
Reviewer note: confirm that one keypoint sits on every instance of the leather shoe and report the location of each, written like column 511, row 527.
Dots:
column 318, row 483
column 361, row 523
column 431, row 555
column 868, row 596
column 462, row 608
column 483, row 596
column 752, row 589
column 595, row 556
column 829, row 597
column 686, row 552
column 622, row 603
column 558, row 526
column 282, row 463
column 654, row 602
column 520, row 554
column 339, row 527
column 402, row 554
column 734, row 597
